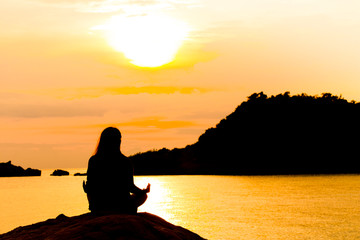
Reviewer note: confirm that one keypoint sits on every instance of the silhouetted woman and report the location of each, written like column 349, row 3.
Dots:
column 110, row 184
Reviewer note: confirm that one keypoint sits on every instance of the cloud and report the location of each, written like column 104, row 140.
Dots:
column 48, row 110
column 124, row 6
column 94, row 92
column 153, row 122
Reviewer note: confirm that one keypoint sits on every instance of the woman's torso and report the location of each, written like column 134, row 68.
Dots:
column 108, row 181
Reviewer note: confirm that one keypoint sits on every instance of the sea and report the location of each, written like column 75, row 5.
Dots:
column 215, row 207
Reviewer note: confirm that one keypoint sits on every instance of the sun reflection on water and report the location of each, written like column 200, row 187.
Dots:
column 160, row 199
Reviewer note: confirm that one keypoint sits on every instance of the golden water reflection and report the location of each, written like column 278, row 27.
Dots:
column 215, row 207
column 160, row 199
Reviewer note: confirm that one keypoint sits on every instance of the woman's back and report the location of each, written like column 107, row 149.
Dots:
column 110, row 178
column 108, row 182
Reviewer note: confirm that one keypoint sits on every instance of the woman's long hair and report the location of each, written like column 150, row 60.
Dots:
column 109, row 142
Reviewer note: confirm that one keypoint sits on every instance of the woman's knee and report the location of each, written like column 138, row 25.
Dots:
column 140, row 199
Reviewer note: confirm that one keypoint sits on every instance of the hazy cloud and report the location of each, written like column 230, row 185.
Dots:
column 43, row 110
column 94, row 92
column 153, row 122
column 126, row 6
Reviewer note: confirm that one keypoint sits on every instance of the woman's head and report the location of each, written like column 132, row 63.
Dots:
column 109, row 141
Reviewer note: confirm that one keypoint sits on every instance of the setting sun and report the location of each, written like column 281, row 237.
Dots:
column 147, row 41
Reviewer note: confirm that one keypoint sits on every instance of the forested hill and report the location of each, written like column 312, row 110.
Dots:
column 280, row 134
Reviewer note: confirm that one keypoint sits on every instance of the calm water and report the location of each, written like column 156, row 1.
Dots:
column 215, row 207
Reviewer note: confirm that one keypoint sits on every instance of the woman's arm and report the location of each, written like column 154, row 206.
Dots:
column 133, row 187
column 86, row 186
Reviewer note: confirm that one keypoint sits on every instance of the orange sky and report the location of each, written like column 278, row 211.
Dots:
column 62, row 82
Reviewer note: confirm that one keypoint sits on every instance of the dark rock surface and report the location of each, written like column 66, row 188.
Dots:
column 9, row 170
column 113, row 226
column 59, row 172
column 80, row 174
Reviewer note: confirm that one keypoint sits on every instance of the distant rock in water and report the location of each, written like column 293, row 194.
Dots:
column 80, row 174
column 115, row 226
column 59, row 172
column 9, row 170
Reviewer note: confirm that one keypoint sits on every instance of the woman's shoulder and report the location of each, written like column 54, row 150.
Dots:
column 93, row 159
column 126, row 160
column 109, row 159
column 123, row 156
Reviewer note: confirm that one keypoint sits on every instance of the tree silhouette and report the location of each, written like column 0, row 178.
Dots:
column 280, row 134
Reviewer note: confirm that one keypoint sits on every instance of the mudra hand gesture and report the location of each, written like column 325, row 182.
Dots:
column 147, row 189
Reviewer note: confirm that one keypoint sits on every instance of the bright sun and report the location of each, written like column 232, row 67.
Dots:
column 147, row 41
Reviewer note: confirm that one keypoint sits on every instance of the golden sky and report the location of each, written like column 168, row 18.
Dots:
column 68, row 69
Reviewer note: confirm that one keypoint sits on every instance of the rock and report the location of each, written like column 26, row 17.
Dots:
column 59, row 172
column 9, row 170
column 32, row 172
column 80, row 174
column 113, row 226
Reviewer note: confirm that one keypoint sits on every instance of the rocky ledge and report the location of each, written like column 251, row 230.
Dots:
column 106, row 227
column 59, row 172
column 7, row 169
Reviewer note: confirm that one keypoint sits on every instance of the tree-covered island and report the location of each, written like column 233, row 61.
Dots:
column 281, row 134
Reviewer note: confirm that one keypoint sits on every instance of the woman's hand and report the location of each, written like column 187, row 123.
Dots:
column 147, row 189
